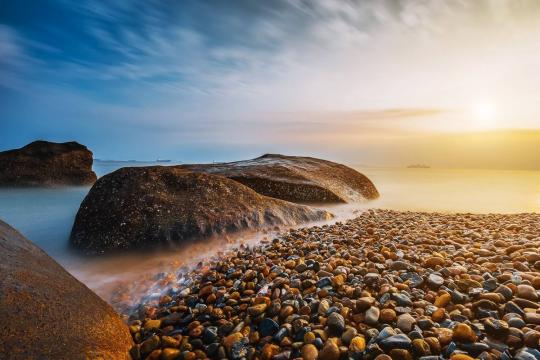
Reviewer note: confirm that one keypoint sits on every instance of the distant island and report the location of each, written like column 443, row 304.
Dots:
column 418, row 166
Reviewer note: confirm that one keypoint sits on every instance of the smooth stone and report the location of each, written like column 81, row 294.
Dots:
column 463, row 333
column 336, row 324
column 402, row 299
column 357, row 345
column 532, row 339
column 309, row 352
column 268, row 327
column 256, row 310
column 405, row 322
column 348, row 335
column 474, row 348
column 498, row 329
column 280, row 334
column 399, row 341
column 434, row 261
column 527, row 292
column 372, row 315
column 399, row 265
column 210, row 334
column 364, row 303
column 170, row 354
column 532, row 318
column 512, row 307
column 435, row 281
column 325, row 281
column 400, row 354
column 527, row 353
column 269, row 351
column 330, row 351
column 387, row 315
column 516, row 322
column 461, row 357
column 420, row 347
column 384, row 333
column 505, row 291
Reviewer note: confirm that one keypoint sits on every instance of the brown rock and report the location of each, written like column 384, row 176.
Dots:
column 43, row 163
column 51, row 315
column 143, row 207
column 295, row 178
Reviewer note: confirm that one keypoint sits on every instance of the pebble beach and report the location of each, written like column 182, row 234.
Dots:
column 384, row 285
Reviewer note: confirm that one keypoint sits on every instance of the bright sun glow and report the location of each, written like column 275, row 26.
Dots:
column 484, row 113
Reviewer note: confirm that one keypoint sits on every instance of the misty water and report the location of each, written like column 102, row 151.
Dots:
column 45, row 216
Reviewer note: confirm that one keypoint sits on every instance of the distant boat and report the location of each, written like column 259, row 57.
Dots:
column 418, row 166
column 162, row 160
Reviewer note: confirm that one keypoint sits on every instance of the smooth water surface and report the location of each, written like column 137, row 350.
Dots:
column 45, row 216
column 452, row 190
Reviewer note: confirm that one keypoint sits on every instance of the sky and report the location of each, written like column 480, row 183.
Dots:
column 380, row 82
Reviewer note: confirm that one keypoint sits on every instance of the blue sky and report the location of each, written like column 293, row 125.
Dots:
column 220, row 80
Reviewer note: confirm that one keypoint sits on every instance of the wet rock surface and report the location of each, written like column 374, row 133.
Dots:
column 296, row 178
column 47, row 313
column 43, row 163
column 336, row 292
column 149, row 207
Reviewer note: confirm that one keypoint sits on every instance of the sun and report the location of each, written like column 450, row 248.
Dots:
column 484, row 113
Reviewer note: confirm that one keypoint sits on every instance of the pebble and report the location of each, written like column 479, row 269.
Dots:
column 336, row 324
column 385, row 285
column 399, row 341
column 527, row 292
column 348, row 335
column 358, row 344
column 435, row 281
column 463, row 333
column 372, row 315
column 330, row 351
column 310, row 352
column 405, row 322
column 387, row 315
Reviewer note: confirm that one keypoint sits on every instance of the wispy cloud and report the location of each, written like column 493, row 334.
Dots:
column 221, row 71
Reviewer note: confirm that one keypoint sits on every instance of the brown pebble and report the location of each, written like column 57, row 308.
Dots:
column 463, row 333
column 309, row 352
column 330, row 350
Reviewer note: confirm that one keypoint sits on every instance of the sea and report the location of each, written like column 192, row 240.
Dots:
column 45, row 216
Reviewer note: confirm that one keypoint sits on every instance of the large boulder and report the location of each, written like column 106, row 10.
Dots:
column 48, row 314
column 296, row 178
column 43, row 163
column 143, row 207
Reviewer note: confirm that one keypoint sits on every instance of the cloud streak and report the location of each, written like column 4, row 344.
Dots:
column 220, row 72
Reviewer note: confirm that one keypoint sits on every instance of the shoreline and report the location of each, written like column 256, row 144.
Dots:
column 125, row 280
column 405, row 284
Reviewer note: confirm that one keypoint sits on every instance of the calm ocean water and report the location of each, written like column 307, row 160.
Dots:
column 45, row 216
